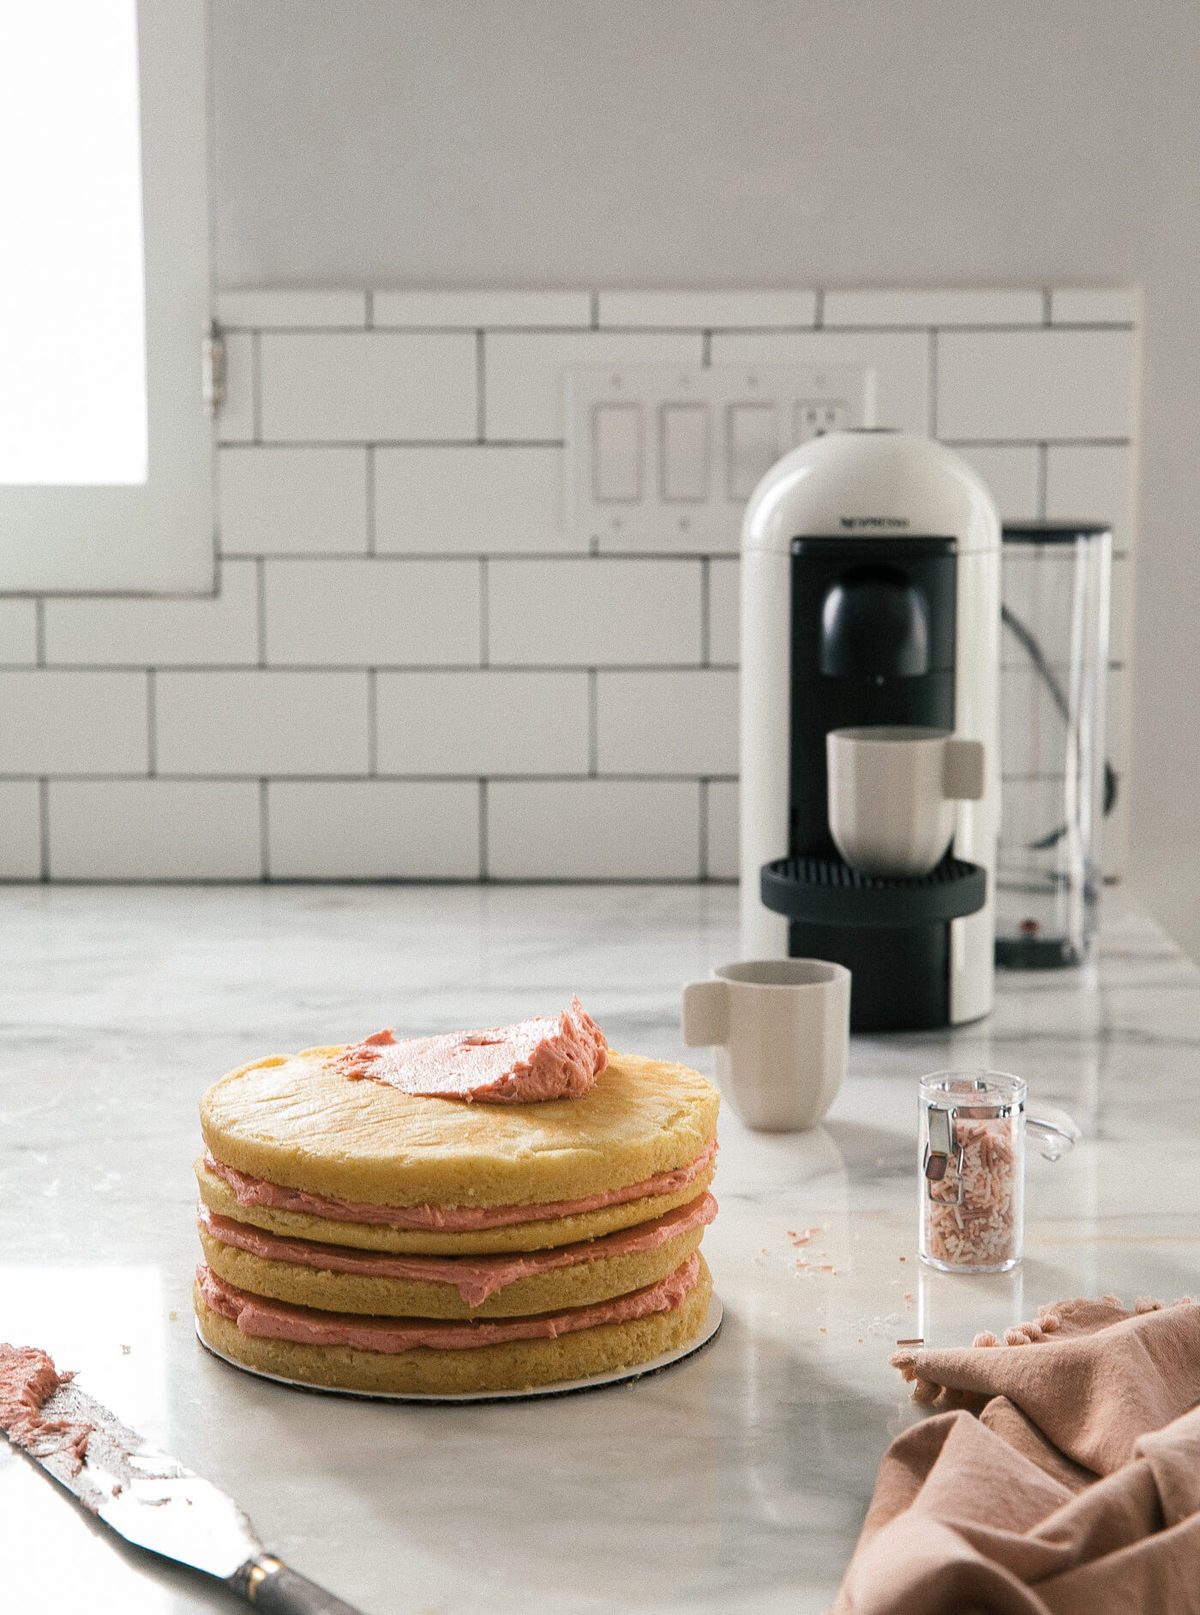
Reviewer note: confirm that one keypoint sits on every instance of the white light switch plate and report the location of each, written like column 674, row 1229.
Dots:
column 663, row 457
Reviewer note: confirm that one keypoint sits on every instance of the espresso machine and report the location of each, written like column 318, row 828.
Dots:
column 870, row 595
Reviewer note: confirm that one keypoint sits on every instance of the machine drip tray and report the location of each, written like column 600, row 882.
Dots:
column 826, row 891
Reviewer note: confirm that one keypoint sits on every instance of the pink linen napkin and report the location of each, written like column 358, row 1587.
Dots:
column 1065, row 1480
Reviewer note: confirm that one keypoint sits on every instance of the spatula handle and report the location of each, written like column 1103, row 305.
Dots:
column 270, row 1585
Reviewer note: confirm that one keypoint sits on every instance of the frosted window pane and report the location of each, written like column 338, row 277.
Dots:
column 72, row 284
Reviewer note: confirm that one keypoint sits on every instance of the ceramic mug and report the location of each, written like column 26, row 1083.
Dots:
column 893, row 795
column 781, row 1030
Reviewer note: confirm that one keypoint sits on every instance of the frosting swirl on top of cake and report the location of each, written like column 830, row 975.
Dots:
column 537, row 1059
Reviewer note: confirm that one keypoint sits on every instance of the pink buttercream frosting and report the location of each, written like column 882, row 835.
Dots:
column 276, row 1320
column 251, row 1191
column 28, row 1378
column 543, row 1058
column 475, row 1277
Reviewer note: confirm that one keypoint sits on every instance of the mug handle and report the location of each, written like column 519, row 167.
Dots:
column 704, row 1014
column 962, row 770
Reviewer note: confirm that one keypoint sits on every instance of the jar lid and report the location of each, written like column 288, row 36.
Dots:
column 994, row 1091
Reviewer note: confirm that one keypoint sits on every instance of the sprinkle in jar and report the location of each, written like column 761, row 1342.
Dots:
column 972, row 1170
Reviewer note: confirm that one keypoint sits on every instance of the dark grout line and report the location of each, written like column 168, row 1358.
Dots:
column 372, row 722
column 559, row 777
column 151, row 723
column 261, row 610
column 256, row 387
column 355, row 669
column 483, row 829
column 43, row 828
column 480, row 388
column 593, row 700
column 484, row 602
column 1043, row 467
column 397, row 443
column 818, row 323
column 39, row 632
column 264, row 832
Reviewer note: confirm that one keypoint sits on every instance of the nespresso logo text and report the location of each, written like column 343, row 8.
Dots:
column 853, row 523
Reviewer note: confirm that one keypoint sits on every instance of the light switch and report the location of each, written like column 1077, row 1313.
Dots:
column 616, row 453
column 684, row 453
column 752, row 445
column 662, row 457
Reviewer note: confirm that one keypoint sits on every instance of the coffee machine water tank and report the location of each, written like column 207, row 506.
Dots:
column 870, row 595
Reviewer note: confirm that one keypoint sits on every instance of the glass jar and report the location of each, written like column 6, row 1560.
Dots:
column 972, row 1139
column 971, row 1142
column 1056, row 786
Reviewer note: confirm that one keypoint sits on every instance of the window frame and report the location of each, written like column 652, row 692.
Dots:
column 158, row 537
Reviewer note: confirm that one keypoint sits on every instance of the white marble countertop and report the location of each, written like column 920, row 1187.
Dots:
column 735, row 1482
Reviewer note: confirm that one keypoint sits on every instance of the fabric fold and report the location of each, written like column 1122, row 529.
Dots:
column 1063, row 1477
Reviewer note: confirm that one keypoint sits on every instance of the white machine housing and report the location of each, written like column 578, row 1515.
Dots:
column 868, row 482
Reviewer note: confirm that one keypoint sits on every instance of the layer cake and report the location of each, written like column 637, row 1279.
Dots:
column 364, row 1237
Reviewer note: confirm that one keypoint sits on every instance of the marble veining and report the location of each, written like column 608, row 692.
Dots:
column 735, row 1482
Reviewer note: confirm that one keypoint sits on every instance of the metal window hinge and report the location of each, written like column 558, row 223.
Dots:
column 212, row 373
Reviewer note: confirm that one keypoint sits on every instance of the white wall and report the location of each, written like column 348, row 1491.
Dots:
column 711, row 142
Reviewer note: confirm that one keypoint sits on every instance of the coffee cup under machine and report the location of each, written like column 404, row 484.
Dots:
column 870, row 597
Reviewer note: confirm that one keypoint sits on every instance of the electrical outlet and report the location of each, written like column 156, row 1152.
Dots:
column 664, row 458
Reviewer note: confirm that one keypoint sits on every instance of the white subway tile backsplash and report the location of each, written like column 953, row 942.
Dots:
column 470, row 501
column 475, row 309
column 153, row 829
column 18, row 631
column 724, row 612
column 261, row 723
column 1035, row 384
column 453, row 686
column 1012, row 474
column 73, row 723
column 367, row 386
column 482, row 722
column 900, row 360
column 1095, row 305
column 20, row 830
column 707, row 310
column 219, row 629
column 667, row 723
column 722, row 853
column 396, row 612
column 373, row 830
column 237, row 420
column 594, row 611
column 593, row 830
column 1092, row 484
column 523, row 386
column 935, row 306
column 292, row 501
column 296, row 310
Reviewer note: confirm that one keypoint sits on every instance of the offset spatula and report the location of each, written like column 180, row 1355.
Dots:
column 155, row 1502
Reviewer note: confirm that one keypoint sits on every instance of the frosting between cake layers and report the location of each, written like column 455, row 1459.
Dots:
column 538, row 1059
column 276, row 1320
column 475, row 1277
column 252, row 1191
